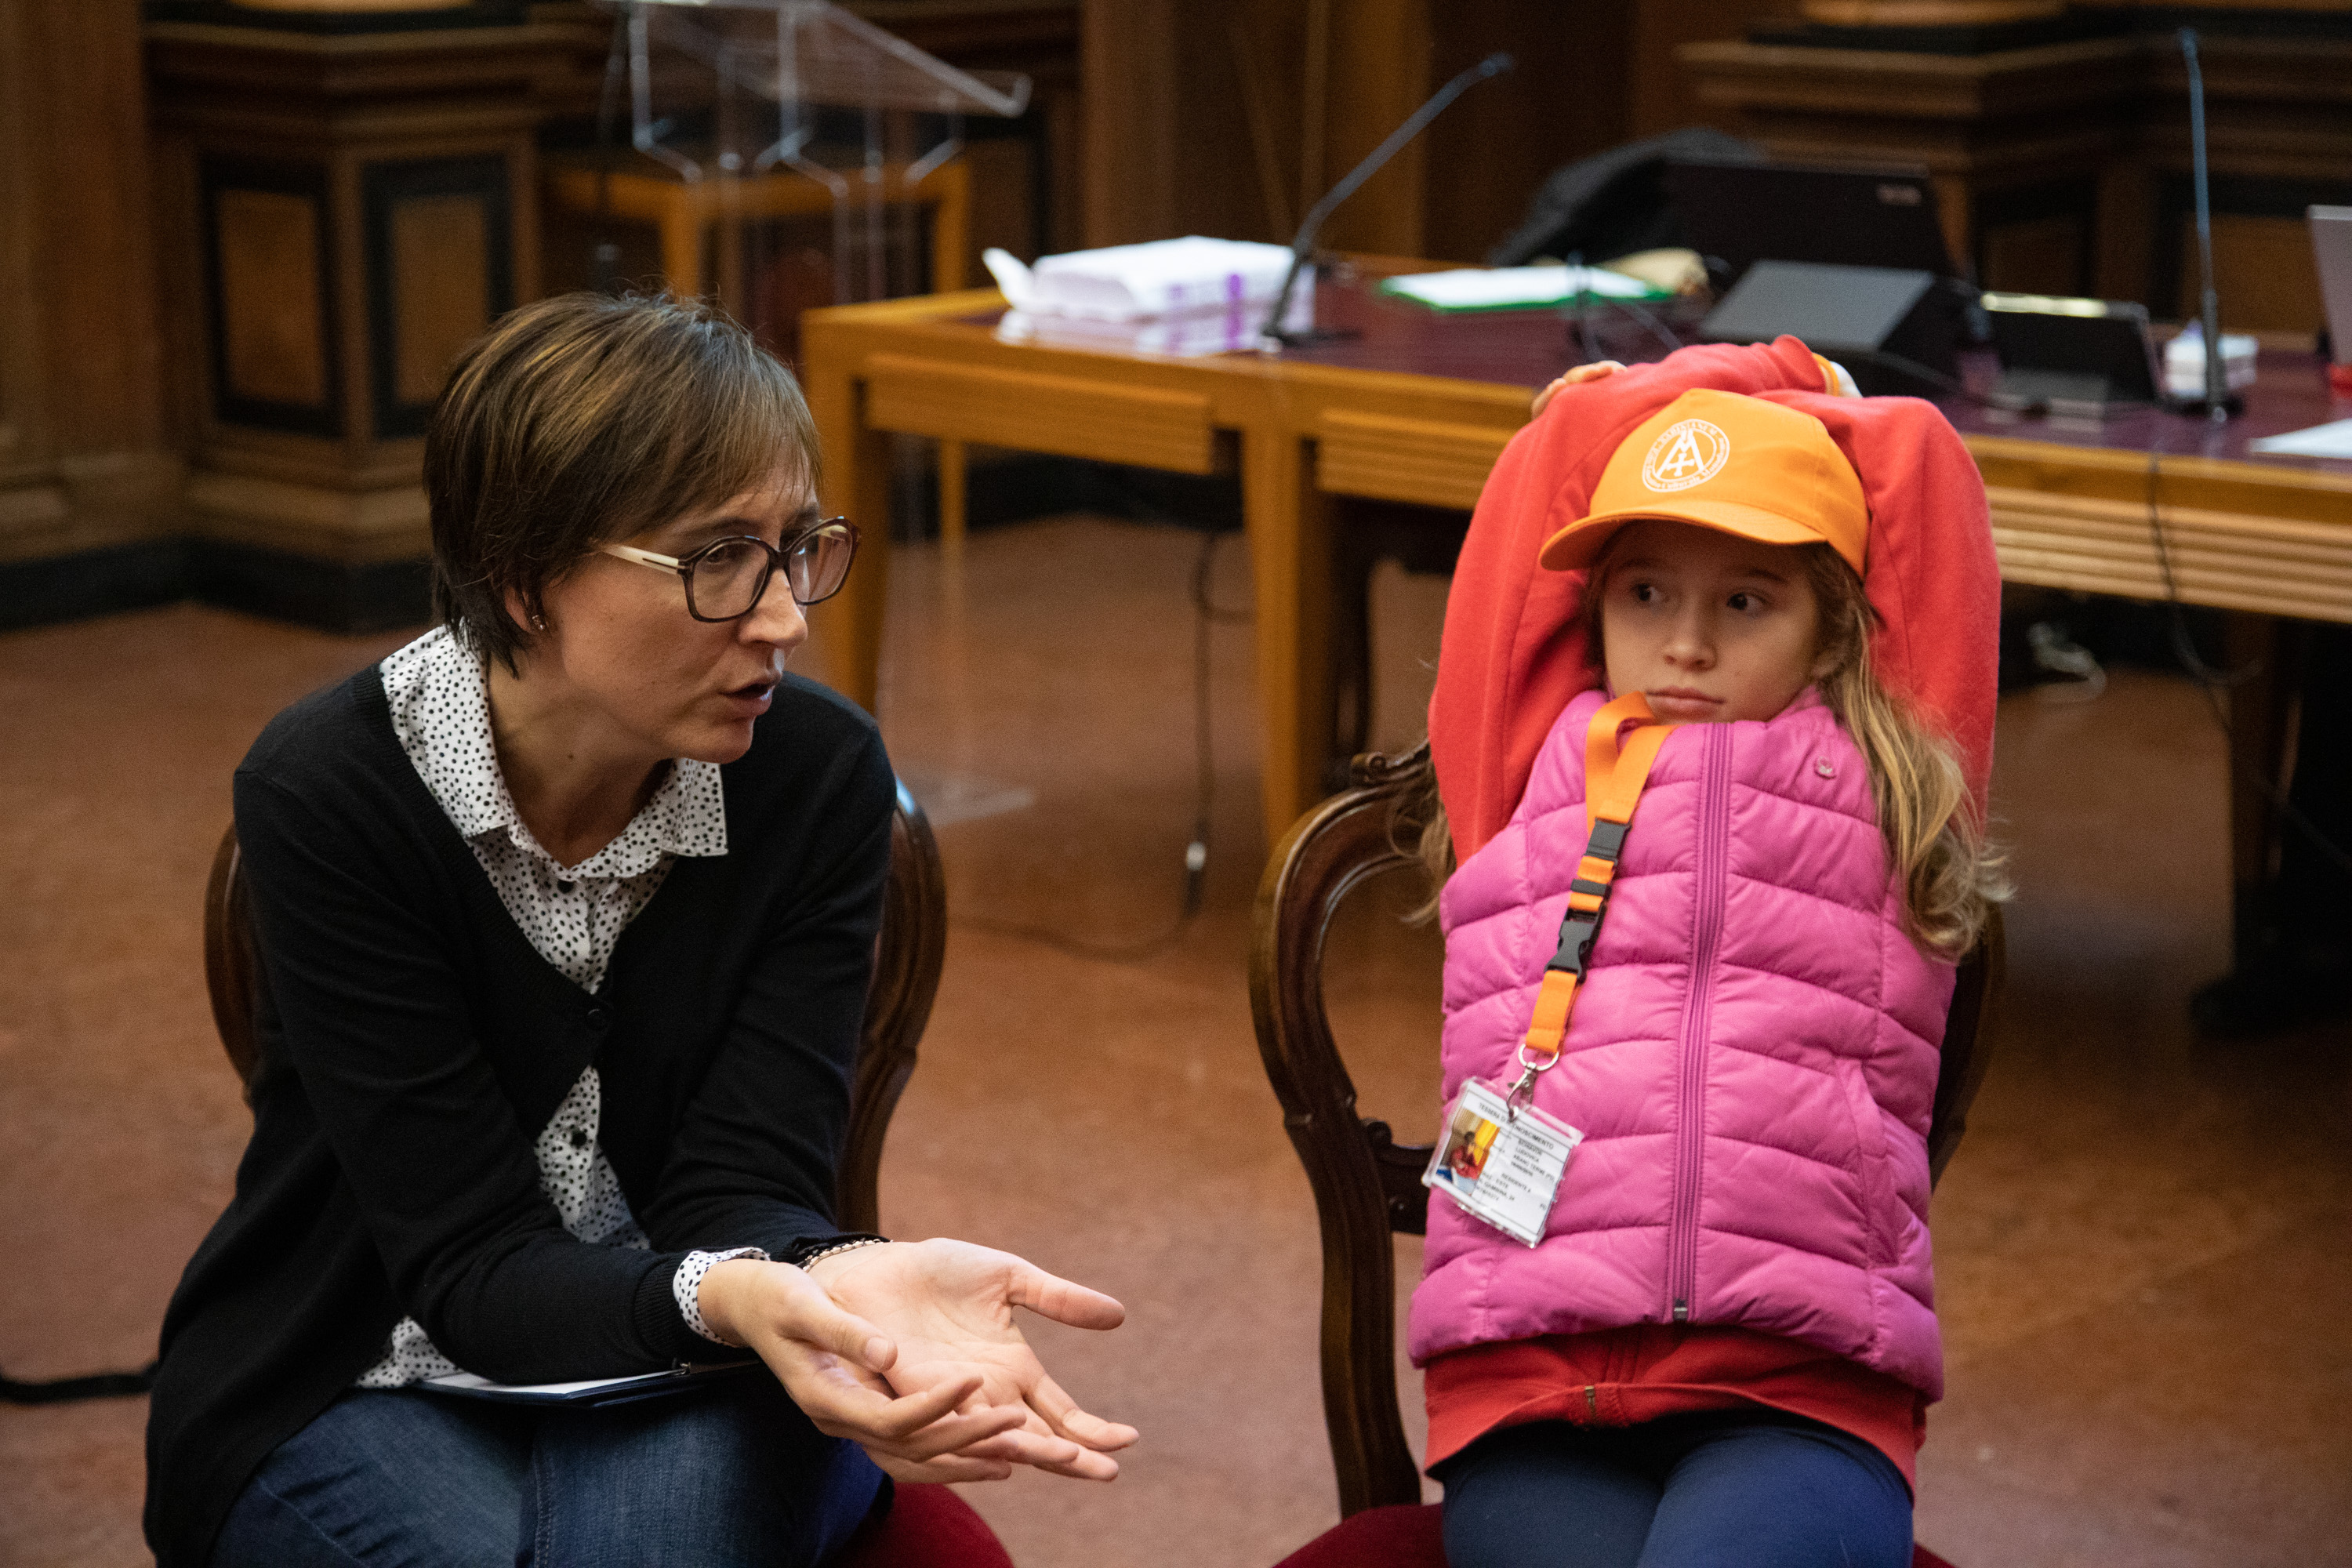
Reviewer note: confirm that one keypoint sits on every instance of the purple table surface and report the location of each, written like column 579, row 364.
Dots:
column 1528, row 348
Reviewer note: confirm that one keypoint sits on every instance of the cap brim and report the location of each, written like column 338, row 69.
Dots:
column 1578, row 544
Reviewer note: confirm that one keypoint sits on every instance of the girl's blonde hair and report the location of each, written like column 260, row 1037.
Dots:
column 1935, row 843
column 1951, row 876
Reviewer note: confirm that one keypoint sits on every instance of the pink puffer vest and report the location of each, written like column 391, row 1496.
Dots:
column 1752, row 1058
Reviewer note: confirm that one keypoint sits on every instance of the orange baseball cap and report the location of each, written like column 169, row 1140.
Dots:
column 1737, row 464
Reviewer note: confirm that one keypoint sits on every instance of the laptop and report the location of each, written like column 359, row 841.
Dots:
column 2071, row 356
column 2331, row 246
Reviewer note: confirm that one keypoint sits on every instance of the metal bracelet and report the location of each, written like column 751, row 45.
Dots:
column 850, row 1246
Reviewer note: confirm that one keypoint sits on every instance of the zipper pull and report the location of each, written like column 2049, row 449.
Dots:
column 1682, row 1312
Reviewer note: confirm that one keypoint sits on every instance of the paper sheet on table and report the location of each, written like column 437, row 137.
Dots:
column 2330, row 440
column 1516, row 288
column 587, row 1391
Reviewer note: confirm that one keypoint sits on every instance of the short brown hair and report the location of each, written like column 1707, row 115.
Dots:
column 586, row 419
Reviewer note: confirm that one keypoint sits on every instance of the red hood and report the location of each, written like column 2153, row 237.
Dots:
column 1514, row 649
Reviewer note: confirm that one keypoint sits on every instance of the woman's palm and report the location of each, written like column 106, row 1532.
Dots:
column 947, row 1308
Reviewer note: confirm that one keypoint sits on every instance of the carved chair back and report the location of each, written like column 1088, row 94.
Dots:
column 1367, row 1185
column 909, row 952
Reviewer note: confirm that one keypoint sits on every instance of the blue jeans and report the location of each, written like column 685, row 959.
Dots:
column 731, row 1475
column 1755, row 1487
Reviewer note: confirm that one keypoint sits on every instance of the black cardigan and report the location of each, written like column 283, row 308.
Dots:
column 413, row 1044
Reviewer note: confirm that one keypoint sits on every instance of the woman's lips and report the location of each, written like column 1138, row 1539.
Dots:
column 752, row 699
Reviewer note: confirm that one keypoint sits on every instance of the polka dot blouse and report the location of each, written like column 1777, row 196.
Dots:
column 573, row 916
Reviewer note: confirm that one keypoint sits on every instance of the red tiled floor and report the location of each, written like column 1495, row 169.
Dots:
column 2141, row 1247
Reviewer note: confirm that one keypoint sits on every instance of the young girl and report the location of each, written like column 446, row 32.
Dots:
column 1721, row 1347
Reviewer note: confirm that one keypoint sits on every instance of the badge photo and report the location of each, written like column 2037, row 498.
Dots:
column 1501, row 1163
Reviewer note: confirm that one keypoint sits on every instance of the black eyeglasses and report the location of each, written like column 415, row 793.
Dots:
column 726, row 578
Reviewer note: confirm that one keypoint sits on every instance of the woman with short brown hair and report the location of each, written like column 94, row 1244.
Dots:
column 566, row 912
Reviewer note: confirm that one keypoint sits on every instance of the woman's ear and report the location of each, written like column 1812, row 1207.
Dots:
column 519, row 611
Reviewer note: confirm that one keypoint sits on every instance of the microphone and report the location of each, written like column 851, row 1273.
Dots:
column 2216, row 368
column 1494, row 65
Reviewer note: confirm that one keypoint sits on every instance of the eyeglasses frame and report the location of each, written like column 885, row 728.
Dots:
column 684, row 566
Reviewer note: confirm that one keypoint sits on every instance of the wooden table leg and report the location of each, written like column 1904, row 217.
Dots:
column 952, row 514
column 681, row 246
column 856, row 484
column 1291, row 549
column 951, row 224
column 2263, row 714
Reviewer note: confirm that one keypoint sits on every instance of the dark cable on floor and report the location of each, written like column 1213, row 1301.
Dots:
column 67, row 1390
column 2213, row 682
column 1205, row 613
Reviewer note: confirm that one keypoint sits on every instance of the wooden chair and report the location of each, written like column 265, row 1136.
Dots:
column 930, row 1526
column 1367, row 1186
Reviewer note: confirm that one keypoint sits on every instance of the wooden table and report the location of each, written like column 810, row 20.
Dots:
column 1417, row 408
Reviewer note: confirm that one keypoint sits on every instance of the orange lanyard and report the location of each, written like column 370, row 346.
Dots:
column 1614, row 777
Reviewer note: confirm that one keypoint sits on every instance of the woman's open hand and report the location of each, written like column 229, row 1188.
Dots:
column 948, row 1307
column 1592, row 371
column 831, row 1363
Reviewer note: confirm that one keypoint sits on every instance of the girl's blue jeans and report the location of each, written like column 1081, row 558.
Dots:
column 1755, row 1487
column 733, row 1474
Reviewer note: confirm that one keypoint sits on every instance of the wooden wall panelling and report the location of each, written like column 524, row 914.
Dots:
column 439, row 251
column 1570, row 97
column 83, row 460
column 407, row 152
column 24, row 419
column 2066, row 165
column 1132, row 120
column 270, row 261
column 1664, row 94
column 1032, row 203
column 1240, row 119
column 2279, row 132
column 1380, row 73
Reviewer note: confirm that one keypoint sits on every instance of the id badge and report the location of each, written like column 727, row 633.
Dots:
column 1501, row 1169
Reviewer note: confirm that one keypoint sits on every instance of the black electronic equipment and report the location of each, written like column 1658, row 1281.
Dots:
column 1740, row 213
column 2073, row 356
column 1896, row 330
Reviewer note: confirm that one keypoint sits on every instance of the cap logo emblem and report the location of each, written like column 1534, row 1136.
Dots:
column 1688, row 453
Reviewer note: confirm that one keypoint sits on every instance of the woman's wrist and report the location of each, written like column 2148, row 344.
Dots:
column 724, row 1296
column 730, row 1294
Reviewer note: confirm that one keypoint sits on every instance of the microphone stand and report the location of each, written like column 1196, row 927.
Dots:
column 2219, row 402
column 1272, row 335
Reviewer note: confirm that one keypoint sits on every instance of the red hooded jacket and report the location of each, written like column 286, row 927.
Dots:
column 1514, row 649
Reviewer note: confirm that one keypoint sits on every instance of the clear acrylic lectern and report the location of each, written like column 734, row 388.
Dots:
column 753, row 111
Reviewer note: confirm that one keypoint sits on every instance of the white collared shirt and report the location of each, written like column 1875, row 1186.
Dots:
column 573, row 915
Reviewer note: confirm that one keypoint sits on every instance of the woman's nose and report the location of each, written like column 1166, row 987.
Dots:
column 777, row 620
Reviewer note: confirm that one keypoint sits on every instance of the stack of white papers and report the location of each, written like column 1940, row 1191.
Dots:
column 1516, row 288
column 1138, row 282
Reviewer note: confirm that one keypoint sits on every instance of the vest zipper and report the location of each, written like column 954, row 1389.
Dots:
column 1690, row 1097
